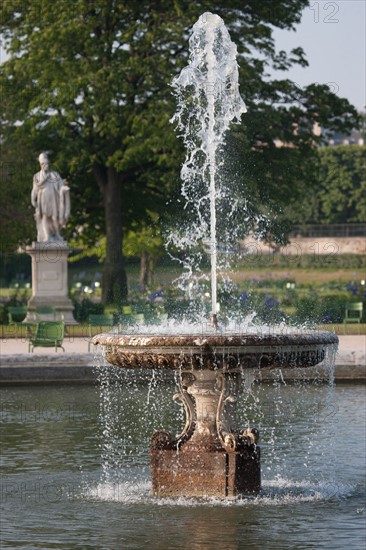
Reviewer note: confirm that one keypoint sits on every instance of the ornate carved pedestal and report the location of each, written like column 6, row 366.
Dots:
column 49, row 280
column 211, row 457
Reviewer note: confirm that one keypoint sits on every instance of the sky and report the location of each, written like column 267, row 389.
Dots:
column 332, row 35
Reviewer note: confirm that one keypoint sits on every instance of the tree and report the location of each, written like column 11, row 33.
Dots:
column 342, row 184
column 16, row 213
column 88, row 80
column 145, row 242
column 339, row 187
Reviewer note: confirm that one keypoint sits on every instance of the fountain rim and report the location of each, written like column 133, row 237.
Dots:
column 200, row 342
column 215, row 351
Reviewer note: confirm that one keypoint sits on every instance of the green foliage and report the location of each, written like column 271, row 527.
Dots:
column 342, row 179
column 84, row 308
column 141, row 239
column 322, row 309
column 18, row 297
column 17, row 222
column 338, row 189
column 15, row 267
column 273, row 301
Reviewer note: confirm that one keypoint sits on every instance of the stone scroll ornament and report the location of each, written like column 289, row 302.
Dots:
column 51, row 199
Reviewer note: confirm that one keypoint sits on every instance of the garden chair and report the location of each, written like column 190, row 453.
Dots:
column 126, row 320
column 48, row 334
column 124, row 317
column 99, row 320
column 353, row 312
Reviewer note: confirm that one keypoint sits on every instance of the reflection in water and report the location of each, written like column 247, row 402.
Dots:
column 54, row 471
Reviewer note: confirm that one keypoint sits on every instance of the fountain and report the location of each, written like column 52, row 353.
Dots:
column 210, row 457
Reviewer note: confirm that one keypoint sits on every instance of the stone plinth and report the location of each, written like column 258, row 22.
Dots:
column 49, row 280
column 205, row 474
column 209, row 457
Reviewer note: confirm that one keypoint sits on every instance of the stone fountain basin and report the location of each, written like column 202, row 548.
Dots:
column 216, row 351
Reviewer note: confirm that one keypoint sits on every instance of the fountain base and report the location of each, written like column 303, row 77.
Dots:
column 209, row 458
column 205, row 474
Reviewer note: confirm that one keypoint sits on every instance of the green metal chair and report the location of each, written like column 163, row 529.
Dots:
column 124, row 317
column 126, row 320
column 353, row 312
column 47, row 335
column 99, row 320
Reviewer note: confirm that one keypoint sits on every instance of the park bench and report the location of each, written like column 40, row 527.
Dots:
column 353, row 313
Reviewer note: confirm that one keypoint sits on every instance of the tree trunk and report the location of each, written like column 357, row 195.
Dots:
column 146, row 269
column 114, row 281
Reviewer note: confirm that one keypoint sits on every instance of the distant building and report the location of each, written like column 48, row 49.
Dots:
column 354, row 138
column 329, row 139
column 316, row 131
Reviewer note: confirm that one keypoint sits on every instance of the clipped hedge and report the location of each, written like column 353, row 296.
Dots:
column 301, row 261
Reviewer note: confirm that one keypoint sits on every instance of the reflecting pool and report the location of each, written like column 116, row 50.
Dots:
column 75, row 469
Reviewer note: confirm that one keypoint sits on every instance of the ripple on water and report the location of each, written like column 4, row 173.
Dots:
column 274, row 492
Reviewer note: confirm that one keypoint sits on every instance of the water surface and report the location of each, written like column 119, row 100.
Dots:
column 76, row 471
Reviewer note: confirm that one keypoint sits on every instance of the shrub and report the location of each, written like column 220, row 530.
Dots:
column 84, row 308
column 322, row 309
column 18, row 298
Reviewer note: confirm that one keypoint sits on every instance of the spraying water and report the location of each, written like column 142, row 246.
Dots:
column 208, row 101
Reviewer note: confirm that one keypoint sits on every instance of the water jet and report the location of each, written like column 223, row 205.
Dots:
column 211, row 456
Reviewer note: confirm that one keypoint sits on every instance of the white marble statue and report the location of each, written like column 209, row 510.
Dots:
column 51, row 199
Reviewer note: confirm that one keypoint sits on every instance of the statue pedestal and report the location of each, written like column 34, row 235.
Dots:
column 49, row 280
